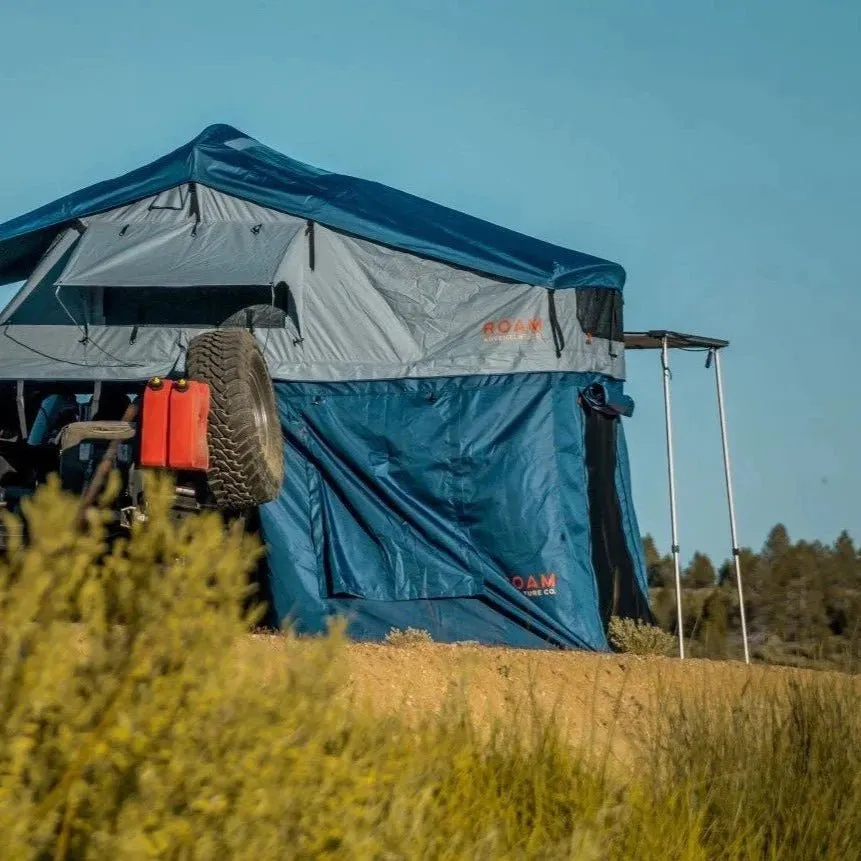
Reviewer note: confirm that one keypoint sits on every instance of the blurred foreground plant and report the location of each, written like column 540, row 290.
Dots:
column 769, row 775
column 131, row 727
column 134, row 725
column 102, row 651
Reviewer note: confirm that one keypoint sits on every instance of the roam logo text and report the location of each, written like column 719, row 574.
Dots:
column 512, row 329
column 535, row 585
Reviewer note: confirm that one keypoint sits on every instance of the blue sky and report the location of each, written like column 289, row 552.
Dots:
column 712, row 149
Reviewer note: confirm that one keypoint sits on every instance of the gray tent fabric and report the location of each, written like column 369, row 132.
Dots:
column 218, row 254
column 357, row 310
column 178, row 205
column 70, row 353
column 44, row 276
column 385, row 313
column 171, row 207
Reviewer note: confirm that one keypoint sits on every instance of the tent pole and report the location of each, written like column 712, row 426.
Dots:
column 731, row 503
column 671, row 474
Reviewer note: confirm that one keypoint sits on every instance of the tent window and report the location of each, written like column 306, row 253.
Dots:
column 203, row 307
column 599, row 310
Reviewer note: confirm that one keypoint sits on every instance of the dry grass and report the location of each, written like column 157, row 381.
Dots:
column 612, row 703
column 139, row 720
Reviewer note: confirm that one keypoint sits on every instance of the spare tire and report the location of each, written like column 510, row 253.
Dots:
column 246, row 447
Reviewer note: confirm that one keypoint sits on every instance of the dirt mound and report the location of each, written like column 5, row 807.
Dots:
column 607, row 702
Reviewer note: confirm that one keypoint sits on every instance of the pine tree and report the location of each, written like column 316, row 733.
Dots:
column 749, row 563
column 700, row 574
column 773, row 576
column 842, row 581
column 660, row 570
column 777, row 544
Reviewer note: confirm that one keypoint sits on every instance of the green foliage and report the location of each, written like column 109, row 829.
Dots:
column 700, row 574
column 802, row 602
column 659, row 569
column 639, row 638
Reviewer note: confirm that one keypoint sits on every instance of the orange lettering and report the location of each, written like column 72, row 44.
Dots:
column 488, row 327
column 531, row 583
column 504, row 326
column 536, row 324
column 518, row 326
column 548, row 581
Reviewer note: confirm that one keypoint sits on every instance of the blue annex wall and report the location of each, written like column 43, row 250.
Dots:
column 458, row 505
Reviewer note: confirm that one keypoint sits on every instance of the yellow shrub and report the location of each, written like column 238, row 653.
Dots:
column 639, row 638
column 408, row 637
column 102, row 655
column 131, row 728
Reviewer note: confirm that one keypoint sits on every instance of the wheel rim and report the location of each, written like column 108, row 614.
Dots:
column 260, row 401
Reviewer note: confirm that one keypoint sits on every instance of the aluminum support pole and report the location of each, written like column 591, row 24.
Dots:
column 731, row 504
column 671, row 474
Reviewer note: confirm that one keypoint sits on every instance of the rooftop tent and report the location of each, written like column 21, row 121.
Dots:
column 225, row 160
column 450, row 391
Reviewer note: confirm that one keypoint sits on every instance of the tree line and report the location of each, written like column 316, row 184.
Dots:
column 802, row 601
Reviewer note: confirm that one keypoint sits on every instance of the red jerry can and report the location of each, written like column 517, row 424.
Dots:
column 189, row 419
column 154, row 423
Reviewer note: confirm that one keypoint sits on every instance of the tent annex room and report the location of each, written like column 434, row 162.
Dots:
column 450, row 392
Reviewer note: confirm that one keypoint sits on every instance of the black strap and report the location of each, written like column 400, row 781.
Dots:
column 309, row 232
column 194, row 205
column 616, row 323
column 555, row 328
